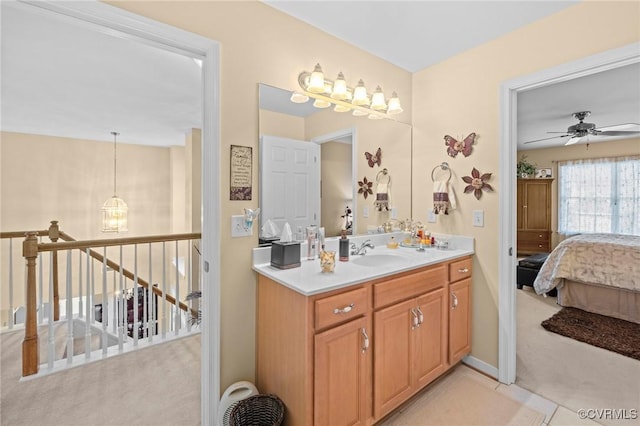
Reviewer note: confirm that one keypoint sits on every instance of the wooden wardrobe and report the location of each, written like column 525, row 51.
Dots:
column 534, row 216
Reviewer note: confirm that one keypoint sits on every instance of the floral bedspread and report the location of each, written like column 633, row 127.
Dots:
column 606, row 259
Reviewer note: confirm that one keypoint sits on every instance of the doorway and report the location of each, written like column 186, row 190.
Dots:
column 508, row 122
column 111, row 20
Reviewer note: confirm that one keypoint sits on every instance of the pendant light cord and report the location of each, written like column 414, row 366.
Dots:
column 115, row 134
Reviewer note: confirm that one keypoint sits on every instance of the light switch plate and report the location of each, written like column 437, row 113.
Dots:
column 394, row 213
column 239, row 227
column 431, row 217
column 478, row 218
column 365, row 212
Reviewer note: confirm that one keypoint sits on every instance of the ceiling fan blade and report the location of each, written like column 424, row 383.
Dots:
column 629, row 126
column 546, row 139
column 616, row 133
column 574, row 140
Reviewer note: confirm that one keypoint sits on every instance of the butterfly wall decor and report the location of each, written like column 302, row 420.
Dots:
column 374, row 159
column 464, row 146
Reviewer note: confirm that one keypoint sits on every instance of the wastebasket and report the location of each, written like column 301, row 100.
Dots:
column 258, row 410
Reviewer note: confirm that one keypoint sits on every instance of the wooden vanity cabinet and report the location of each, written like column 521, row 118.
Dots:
column 351, row 356
column 410, row 336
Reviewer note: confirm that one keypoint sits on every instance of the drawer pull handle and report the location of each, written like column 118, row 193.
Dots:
column 463, row 270
column 344, row 310
column 415, row 322
column 540, row 236
column 420, row 316
column 454, row 300
column 365, row 342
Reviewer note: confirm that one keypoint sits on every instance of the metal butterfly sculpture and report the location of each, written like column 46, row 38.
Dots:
column 374, row 159
column 454, row 146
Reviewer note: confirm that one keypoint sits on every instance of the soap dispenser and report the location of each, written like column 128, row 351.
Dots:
column 344, row 247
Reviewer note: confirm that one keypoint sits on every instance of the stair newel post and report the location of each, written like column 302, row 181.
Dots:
column 54, row 235
column 30, row 356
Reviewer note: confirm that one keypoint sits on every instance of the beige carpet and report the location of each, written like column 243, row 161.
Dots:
column 464, row 398
column 573, row 374
column 153, row 386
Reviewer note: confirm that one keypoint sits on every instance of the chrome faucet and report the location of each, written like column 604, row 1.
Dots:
column 362, row 250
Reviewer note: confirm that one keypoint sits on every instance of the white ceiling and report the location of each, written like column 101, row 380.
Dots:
column 66, row 80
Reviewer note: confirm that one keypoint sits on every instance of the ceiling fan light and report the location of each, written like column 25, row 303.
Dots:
column 377, row 100
column 316, row 80
column 339, row 90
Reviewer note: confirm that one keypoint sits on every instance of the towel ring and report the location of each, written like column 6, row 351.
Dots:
column 443, row 166
column 383, row 172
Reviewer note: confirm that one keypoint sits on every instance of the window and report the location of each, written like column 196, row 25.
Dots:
column 599, row 195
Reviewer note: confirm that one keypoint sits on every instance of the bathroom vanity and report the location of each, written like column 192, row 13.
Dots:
column 350, row 346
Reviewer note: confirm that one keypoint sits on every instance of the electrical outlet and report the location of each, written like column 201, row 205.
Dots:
column 365, row 212
column 478, row 218
column 239, row 227
column 431, row 217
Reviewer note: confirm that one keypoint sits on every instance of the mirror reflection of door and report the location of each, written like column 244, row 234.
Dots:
column 336, row 190
column 289, row 182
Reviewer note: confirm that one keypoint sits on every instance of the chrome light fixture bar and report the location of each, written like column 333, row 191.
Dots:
column 344, row 98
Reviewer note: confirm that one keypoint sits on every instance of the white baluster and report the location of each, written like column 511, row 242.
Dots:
column 11, row 314
column 189, row 286
column 52, row 341
column 177, row 320
column 69, row 310
column 164, row 291
column 149, row 308
column 105, row 302
column 80, row 309
column 87, row 324
column 122, row 308
column 40, row 288
column 135, row 296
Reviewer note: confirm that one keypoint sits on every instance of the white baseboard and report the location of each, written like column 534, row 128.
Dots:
column 481, row 366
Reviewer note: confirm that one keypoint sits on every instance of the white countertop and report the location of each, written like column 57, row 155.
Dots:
column 308, row 279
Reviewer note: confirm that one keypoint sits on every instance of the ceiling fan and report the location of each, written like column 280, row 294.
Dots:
column 576, row 132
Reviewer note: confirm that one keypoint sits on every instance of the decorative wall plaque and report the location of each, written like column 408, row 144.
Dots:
column 241, row 164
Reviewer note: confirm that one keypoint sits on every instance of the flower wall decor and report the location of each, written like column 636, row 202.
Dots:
column 454, row 146
column 477, row 183
column 365, row 187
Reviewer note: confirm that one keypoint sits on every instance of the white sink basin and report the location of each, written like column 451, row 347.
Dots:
column 372, row 260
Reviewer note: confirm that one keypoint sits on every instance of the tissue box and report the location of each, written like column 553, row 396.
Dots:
column 285, row 255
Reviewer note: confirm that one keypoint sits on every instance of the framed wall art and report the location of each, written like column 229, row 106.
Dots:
column 240, row 180
column 543, row 173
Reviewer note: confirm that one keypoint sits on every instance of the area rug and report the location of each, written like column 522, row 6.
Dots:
column 605, row 332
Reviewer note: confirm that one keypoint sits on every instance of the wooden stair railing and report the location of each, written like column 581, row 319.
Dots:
column 30, row 250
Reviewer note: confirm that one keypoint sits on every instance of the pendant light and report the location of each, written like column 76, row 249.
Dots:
column 114, row 210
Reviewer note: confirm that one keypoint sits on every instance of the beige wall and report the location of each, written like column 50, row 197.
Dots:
column 258, row 45
column 461, row 95
column 549, row 157
column 281, row 125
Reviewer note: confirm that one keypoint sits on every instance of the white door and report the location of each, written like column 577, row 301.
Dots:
column 289, row 182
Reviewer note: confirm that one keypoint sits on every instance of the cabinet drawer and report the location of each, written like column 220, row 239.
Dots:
column 533, row 235
column 340, row 307
column 534, row 246
column 402, row 288
column 459, row 270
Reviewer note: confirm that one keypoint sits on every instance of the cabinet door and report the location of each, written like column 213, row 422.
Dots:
column 538, row 205
column 394, row 332
column 430, row 350
column 459, row 320
column 342, row 363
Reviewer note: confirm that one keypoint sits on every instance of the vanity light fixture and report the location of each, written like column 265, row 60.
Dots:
column 336, row 92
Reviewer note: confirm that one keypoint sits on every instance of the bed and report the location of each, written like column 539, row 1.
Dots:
column 598, row 273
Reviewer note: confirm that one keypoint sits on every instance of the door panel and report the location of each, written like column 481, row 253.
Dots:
column 289, row 182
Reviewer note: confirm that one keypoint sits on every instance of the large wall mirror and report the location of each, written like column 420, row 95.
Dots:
column 297, row 189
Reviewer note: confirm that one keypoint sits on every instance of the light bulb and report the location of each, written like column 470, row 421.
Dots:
column 360, row 97
column 316, row 80
column 339, row 88
column 394, row 105
column 377, row 100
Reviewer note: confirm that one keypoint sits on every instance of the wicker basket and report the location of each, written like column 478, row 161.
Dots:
column 258, row 410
